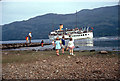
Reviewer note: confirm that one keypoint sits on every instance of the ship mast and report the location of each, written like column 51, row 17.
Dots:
column 76, row 19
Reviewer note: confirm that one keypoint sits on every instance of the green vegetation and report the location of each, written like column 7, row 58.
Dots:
column 24, row 56
column 31, row 56
column 104, row 20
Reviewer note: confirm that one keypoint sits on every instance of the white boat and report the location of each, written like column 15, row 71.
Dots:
column 71, row 33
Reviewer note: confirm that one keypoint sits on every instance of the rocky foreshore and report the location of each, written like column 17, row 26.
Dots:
column 18, row 45
column 47, row 65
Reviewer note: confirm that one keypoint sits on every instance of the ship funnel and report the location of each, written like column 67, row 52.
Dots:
column 61, row 26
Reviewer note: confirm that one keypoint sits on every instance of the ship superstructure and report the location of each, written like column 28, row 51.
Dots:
column 71, row 33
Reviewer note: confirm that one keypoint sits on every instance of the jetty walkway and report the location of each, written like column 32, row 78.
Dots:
column 18, row 45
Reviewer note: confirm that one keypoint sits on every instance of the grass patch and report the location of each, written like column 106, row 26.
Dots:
column 31, row 56
column 25, row 56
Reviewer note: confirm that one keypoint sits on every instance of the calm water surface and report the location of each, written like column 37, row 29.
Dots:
column 99, row 43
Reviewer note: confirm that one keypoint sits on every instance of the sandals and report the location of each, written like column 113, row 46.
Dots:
column 57, row 54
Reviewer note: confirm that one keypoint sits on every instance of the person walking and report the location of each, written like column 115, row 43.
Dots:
column 30, row 35
column 63, row 44
column 71, row 46
column 57, row 45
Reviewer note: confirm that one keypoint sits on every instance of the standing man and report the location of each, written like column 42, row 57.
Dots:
column 30, row 35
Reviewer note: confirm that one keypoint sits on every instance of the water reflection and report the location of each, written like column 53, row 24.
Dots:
column 84, row 42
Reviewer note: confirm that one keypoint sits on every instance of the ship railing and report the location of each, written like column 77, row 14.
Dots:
column 53, row 34
column 59, row 34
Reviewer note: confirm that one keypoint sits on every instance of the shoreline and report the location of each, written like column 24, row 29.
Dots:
column 35, row 47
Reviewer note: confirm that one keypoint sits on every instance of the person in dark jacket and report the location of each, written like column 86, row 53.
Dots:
column 42, row 42
column 63, row 44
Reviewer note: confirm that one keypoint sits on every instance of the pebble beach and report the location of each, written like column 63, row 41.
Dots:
column 47, row 65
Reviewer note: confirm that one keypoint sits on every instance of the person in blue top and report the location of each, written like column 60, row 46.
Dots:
column 57, row 46
column 63, row 44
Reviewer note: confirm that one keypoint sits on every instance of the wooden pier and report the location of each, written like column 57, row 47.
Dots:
column 18, row 45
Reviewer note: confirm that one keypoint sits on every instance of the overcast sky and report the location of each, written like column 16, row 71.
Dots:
column 13, row 10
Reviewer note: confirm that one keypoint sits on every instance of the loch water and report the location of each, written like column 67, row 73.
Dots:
column 109, row 43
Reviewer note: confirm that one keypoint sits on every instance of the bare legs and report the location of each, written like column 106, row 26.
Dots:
column 57, row 52
column 71, row 51
column 62, row 50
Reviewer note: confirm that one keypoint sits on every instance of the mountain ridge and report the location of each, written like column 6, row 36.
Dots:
column 104, row 18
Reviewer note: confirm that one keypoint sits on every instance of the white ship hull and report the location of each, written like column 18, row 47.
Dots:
column 73, row 36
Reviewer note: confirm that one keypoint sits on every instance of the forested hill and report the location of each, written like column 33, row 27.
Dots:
column 104, row 20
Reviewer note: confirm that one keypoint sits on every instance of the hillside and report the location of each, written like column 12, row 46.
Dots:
column 104, row 20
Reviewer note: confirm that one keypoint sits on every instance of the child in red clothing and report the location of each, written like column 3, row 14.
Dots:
column 42, row 43
column 27, row 40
